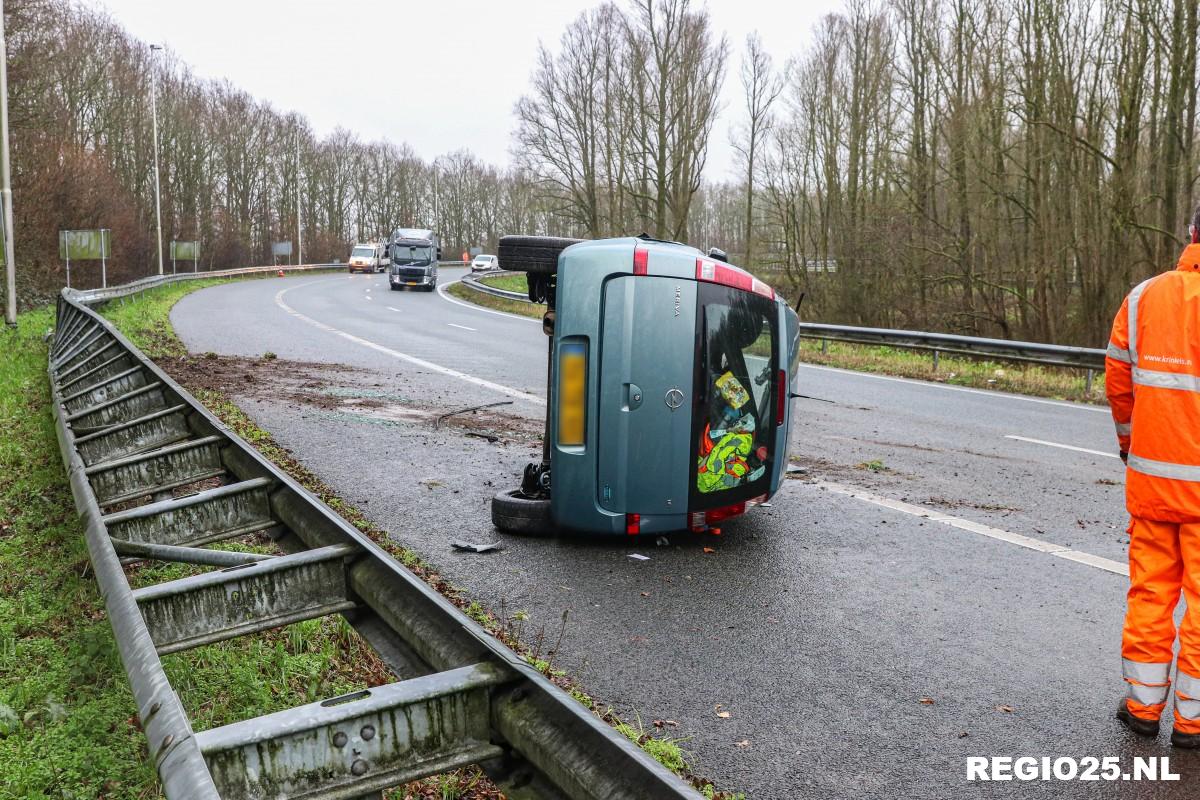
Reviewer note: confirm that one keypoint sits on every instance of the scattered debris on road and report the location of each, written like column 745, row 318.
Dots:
column 639, row 557
column 472, row 547
column 437, row 423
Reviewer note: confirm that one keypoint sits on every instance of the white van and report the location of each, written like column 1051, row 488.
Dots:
column 369, row 257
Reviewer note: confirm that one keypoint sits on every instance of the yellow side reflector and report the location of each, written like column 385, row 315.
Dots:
column 572, row 394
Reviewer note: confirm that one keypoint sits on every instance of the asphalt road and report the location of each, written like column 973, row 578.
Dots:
column 866, row 633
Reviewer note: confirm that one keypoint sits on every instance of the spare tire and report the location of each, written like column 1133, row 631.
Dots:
column 516, row 512
column 536, row 254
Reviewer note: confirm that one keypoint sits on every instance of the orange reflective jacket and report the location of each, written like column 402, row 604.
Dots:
column 1153, row 385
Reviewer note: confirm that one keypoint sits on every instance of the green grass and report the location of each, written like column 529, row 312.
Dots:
column 1057, row 383
column 66, row 726
column 518, row 307
column 509, row 283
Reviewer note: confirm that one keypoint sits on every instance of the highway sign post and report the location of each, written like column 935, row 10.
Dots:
column 279, row 249
column 91, row 245
column 185, row 251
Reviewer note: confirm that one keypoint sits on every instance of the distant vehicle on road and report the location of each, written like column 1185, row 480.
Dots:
column 669, row 386
column 483, row 263
column 414, row 254
column 368, row 257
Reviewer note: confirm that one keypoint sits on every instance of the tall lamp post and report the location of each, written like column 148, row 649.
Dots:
column 154, row 123
column 10, row 267
column 299, row 227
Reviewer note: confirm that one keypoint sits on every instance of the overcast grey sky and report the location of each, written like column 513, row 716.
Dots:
column 438, row 74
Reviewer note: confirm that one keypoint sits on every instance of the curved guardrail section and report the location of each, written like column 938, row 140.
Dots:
column 1056, row 355
column 473, row 282
column 155, row 475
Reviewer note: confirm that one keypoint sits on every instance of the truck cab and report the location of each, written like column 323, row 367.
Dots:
column 670, row 376
column 414, row 254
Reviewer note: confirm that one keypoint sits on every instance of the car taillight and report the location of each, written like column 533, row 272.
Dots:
column 572, row 394
column 641, row 261
column 633, row 524
column 781, row 397
column 728, row 275
column 724, row 512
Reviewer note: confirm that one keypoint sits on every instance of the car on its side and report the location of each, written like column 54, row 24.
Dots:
column 368, row 257
column 483, row 263
column 669, row 386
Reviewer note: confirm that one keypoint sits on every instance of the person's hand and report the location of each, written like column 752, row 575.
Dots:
column 1125, row 456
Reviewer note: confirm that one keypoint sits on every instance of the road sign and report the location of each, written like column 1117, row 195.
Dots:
column 84, row 245
column 91, row 245
column 185, row 251
column 281, row 248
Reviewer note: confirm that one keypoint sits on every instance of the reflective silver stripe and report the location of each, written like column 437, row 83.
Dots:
column 1148, row 695
column 1117, row 353
column 1187, row 695
column 1134, row 298
column 1165, row 380
column 1146, row 673
column 1164, row 469
column 1123, row 428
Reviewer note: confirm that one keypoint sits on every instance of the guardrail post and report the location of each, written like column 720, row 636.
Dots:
column 936, row 359
column 824, row 347
column 1091, row 375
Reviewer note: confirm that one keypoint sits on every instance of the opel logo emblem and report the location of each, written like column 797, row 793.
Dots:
column 674, row 399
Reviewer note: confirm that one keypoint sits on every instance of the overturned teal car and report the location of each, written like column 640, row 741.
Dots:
column 669, row 380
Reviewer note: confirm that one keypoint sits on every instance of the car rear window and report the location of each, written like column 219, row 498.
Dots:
column 734, row 420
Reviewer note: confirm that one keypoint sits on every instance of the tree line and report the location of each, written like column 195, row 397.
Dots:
column 991, row 167
column 231, row 165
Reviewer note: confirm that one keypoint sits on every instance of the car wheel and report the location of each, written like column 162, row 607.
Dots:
column 393, row 287
column 535, row 254
column 515, row 512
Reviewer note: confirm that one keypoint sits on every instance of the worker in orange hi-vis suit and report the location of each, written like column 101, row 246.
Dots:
column 1153, row 386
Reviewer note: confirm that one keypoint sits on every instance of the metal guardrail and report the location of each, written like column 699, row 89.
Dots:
column 155, row 475
column 91, row 296
column 473, row 282
column 1057, row 355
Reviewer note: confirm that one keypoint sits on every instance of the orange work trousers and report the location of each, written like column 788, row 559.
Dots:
column 1164, row 559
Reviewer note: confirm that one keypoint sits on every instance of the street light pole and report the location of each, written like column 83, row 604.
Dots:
column 299, row 229
column 154, row 123
column 10, row 266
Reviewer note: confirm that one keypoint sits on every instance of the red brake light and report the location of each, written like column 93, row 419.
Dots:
column 729, row 275
column 641, row 261
column 633, row 524
column 724, row 512
column 781, row 397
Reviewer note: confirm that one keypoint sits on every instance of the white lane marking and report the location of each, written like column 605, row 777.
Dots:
column 441, row 290
column 419, row 362
column 464, row 327
column 1028, row 542
column 1063, row 446
column 984, row 392
column 393, row 308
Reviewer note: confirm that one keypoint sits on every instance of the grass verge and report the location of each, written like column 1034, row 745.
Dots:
column 66, row 724
column 147, row 324
column 518, row 307
column 1052, row 382
column 509, row 283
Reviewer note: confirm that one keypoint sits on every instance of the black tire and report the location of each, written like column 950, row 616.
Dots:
column 514, row 512
column 393, row 287
column 535, row 254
